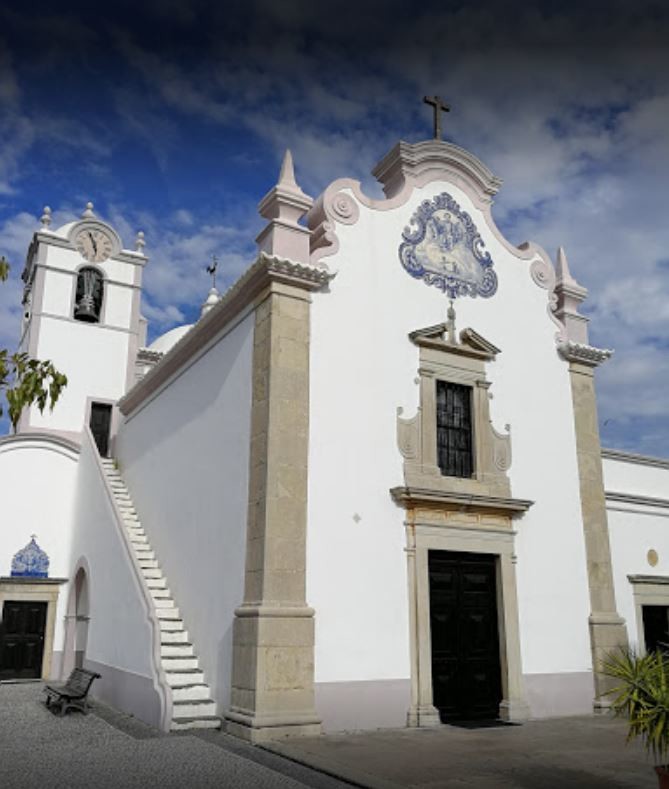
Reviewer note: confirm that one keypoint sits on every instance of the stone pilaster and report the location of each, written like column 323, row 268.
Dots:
column 273, row 638
column 607, row 627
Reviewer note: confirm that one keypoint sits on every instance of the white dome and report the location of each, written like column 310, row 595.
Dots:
column 168, row 340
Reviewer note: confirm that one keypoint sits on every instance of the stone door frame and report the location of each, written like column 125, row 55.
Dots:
column 35, row 590
column 423, row 536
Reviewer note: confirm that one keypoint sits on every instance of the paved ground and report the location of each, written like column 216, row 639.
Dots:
column 574, row 753
column 110, row 749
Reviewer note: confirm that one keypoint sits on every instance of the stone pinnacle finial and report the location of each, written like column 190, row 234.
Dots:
column 45, row 219
column 140, row 243
column 211, row 301
column 287, row 174
column 562, row 268
column 569, row 296
column 88, row 212
column 284, row 206
column 450, row 323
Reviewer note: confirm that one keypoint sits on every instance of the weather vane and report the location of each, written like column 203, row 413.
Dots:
column 439, row 106
column 211, row 269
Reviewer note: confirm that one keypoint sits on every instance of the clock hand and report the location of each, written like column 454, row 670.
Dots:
column 95, row 246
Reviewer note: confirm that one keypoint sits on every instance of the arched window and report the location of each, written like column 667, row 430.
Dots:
column 88, row 300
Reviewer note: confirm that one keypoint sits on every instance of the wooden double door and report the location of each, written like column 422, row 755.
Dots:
column 466, row 669
column 22, row 639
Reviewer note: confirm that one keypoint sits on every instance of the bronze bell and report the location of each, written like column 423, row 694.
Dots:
column 85, row 310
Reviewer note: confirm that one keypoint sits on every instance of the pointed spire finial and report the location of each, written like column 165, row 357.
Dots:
column 45, row 219
column 88, row 212
column 284, row 206
column 287, row 174
column 562, row 267
column 450, row 323
column 211, row 301
column 140, row 243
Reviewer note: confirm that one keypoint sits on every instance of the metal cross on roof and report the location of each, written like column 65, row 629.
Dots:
column 439, row 106
column 212, row 269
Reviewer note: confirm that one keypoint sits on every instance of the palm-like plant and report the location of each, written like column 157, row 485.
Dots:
column 642, row 696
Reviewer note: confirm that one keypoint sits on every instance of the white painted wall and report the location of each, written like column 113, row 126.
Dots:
column 185, row 458
column 95, row 361
column 363, row 367
column 634, row 529
column 120, row 634
column 38, row 478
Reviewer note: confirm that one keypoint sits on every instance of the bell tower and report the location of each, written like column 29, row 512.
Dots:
column 81, row 301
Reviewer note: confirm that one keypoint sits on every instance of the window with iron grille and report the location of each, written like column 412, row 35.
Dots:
column 454, row 429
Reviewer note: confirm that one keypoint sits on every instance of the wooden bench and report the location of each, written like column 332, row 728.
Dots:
column 73, row 693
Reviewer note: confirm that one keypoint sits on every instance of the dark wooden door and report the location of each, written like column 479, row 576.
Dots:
column 100, row 426
column 466, row 674
column 655, row 627
column 22, row 640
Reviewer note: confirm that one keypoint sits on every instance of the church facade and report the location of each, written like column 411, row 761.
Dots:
column 364, row 489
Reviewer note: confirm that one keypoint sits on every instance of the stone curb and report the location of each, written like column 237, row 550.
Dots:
column 329, row 767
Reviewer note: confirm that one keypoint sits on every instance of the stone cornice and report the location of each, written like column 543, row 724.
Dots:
column 648, row 579
column 462, row 502
column 639, row 501
column 266, row 270
column 631, row 457
column 408, row 162
column 583, row 354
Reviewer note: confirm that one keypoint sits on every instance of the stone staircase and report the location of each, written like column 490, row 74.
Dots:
column 192, row 706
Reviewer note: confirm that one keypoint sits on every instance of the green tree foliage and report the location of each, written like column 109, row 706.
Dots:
column 642, row 696
column 25, row 381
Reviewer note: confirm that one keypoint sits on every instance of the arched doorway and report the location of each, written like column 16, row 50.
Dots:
column 76, row 631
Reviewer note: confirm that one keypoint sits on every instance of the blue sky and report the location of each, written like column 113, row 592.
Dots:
column 172, row 118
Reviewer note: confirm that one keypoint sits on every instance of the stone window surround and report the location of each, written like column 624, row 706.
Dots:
column 35, row 590
column 459, row 363
column 647, row 590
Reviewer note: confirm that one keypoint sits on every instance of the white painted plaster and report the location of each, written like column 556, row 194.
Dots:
column 185, row 459
column 635, row 529
column 629, row 476
column 119, row 631
column 94, row 360
column 38, row 478
column 362, row 368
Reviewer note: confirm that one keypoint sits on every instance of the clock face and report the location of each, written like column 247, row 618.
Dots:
column 94, row 245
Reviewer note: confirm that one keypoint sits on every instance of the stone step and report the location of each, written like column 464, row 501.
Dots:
column 184, row 650
column 155, row 582
column 183, row 724
column 168, row 613
column 180, row 663
column 131, row 519
column 174, row 637
column 151, row 572
column 139, row 539
column 144, row 552
column 148, row 564
column 184, row 679
column 160, row 594
column 191, row 693
column 170, row 625
column 163, row 603
column 193, row 709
